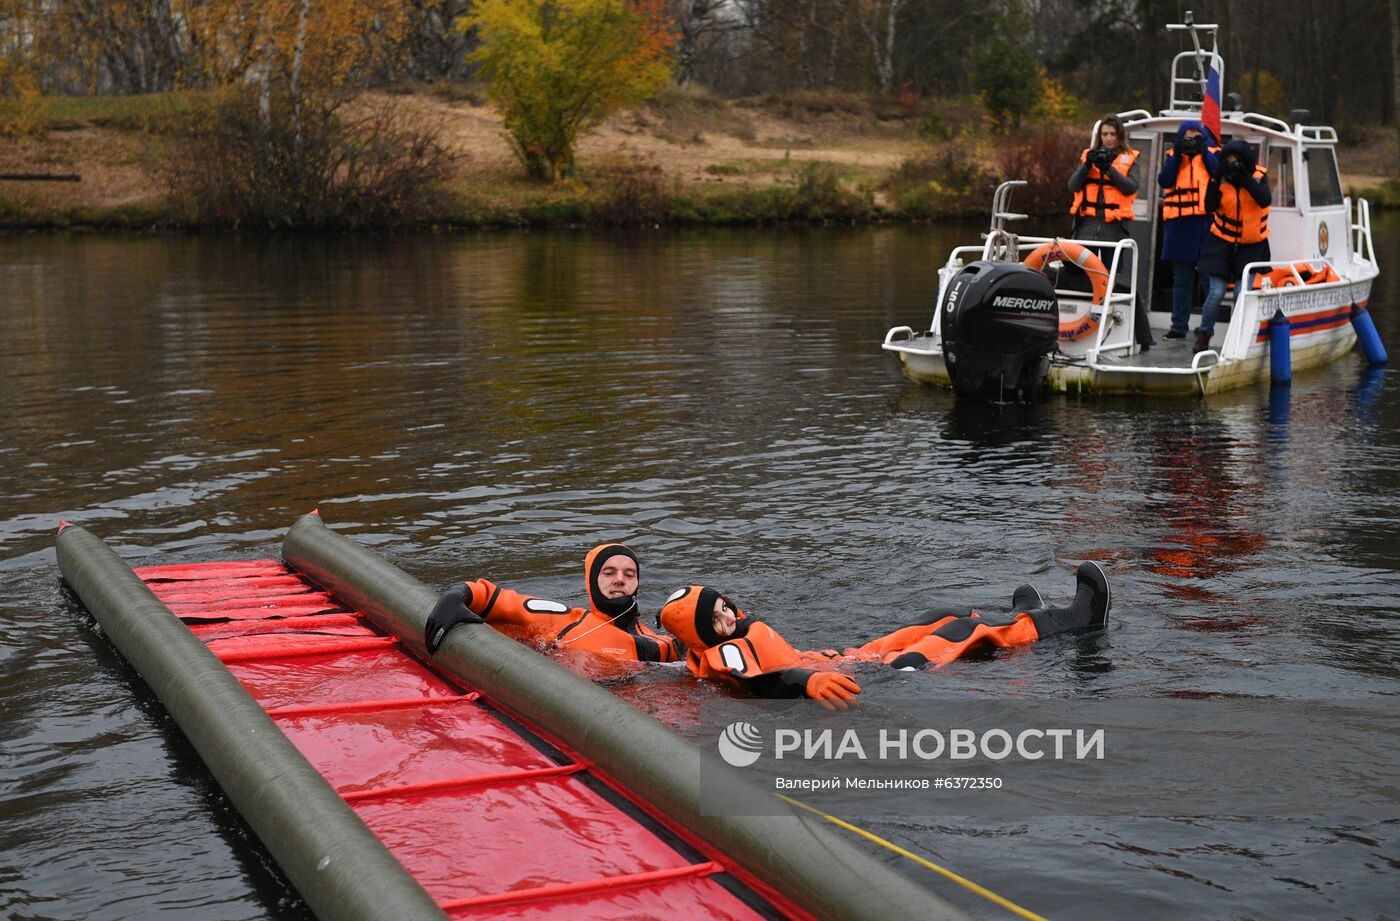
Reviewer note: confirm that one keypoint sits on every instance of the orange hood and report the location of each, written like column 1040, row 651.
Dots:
column 689, row 616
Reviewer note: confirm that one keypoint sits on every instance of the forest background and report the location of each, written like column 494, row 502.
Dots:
column 351, row 113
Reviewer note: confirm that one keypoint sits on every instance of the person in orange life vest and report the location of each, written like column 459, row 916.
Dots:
column 608, row 627
column 1105, row 185
column 724, row 643
column 1184, row 177
column 1237, row 199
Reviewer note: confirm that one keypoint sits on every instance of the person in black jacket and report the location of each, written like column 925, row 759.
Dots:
column 1238, row 200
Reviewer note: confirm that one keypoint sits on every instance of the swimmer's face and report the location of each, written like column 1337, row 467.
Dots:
column 725, row 617
column 1108, row 137
column 618, row 577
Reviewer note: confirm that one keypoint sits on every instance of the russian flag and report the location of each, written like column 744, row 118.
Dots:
column 1210, row 106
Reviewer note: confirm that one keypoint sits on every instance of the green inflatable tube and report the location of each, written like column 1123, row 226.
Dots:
column 340, row 868
column 798, row 856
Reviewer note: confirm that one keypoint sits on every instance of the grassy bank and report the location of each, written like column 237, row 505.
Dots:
column 688, row 158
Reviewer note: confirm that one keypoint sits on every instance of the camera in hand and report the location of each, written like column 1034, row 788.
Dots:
column 1101, row 157
column 1189, row 147
column 1235, row 171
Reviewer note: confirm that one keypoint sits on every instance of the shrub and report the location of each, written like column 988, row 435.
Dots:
column 934, row 128
column 820, row 194
column 1044, row 158
column 628, row 193
column 1056, row 104
column 303, row 165
column 946, row 178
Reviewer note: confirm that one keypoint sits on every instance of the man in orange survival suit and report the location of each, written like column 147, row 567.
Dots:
column 722, row 642
column 608, row 627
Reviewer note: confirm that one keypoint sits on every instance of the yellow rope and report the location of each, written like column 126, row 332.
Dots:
column 921, row 861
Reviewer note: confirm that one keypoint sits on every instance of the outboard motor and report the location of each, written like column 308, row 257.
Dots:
column 1001, row 321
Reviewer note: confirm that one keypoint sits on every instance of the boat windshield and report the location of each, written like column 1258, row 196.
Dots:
column 1324, row 183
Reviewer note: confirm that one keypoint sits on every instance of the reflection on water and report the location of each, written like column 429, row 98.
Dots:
column 495, row 405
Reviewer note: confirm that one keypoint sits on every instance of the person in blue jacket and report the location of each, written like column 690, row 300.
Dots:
column 1184, row 179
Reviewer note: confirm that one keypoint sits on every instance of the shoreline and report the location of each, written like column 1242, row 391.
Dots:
column 685, row 160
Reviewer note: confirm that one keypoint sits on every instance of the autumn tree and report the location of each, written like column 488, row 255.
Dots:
column 556, row 68
column 21, row 106
column 281, row 146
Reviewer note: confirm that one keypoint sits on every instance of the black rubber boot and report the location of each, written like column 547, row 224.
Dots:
column 1026, row 598
column 1088, row 611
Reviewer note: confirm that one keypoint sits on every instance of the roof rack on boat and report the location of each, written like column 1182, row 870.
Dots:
column 1190, row 68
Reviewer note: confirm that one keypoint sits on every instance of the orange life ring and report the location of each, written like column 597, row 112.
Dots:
column 1083, row 324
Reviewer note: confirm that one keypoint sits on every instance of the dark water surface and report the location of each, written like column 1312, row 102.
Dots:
column 495, row 405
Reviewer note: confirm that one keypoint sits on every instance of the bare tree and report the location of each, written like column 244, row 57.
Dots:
column 878, row 18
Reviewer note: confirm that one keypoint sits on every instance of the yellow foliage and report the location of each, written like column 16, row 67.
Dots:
column 556, row 68
column 22, row 106
column 237, row 40
column 1056, row 105
column 1268, row 96
column 207, row 43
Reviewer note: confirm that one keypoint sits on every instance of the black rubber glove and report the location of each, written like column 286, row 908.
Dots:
column 450, row 610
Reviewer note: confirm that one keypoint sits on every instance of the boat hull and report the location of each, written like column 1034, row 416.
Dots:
column 923, row 361
column 1321, row 333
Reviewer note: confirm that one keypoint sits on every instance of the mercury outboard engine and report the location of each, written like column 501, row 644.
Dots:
column 1000, row 323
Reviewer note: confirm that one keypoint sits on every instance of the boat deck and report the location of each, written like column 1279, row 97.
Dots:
column 1165, row 353
column 493, row 820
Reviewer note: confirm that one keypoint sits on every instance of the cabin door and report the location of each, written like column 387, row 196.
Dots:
column 1146, row 209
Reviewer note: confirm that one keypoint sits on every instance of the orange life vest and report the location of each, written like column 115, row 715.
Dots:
column 1100, row 197
column 755, row 649
column 1283, row 276
column 1187, row 197
column 570, row 628
column 1241, row 219
column 761, row 649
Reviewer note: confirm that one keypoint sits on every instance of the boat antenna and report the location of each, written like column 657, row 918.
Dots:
column 1196, row 43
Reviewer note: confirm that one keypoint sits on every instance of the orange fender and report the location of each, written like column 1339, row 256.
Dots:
column 1087, row 260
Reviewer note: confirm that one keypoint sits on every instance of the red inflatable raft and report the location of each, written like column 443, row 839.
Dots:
column 487, row 816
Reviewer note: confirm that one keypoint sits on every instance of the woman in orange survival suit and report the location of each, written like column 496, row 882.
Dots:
column 722, row 642
column 609, row 627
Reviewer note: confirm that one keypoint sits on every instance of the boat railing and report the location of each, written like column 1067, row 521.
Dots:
column 1266, row 121
column 994, row 248
column 1110, row 318
column 1117, row 307
column 1361, row 246
column 1253, row 306
column 1323, row 133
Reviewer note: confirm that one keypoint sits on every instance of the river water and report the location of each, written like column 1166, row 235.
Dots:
column 494, row 405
